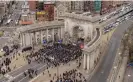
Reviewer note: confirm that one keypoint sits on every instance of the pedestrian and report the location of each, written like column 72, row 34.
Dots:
column 36, row 72
column 43, row 73
column 25, row 74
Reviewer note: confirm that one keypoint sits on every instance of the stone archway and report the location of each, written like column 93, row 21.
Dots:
column 78, row 33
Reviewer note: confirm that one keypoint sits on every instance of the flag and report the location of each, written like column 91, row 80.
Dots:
column 44, row 41
column 81, row 46
column 59, row 41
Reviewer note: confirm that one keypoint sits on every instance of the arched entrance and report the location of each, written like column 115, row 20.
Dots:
column 56, row 37
column 78, row 34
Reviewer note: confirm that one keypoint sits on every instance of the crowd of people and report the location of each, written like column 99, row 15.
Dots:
column 4, row 66
column 53, row 55
column 30, row 73
column 71, row 76
column 57, row 53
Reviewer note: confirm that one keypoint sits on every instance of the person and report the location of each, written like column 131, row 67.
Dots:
column 25, row 74
column 30, row 76
column 36, row 72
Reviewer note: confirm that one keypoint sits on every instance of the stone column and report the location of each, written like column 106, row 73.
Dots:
column 47, row 34
column 31, row 38
column 92, row 61
column 61, row 33
column 40, row 38
column 36, row 38
column 88, row 62
column 41, row 35
column 34, row 35
column 31, row 34
column 53, row 34
column 84, row 62
column 24, row 39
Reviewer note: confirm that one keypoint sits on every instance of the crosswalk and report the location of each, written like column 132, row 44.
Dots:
column 9, row 77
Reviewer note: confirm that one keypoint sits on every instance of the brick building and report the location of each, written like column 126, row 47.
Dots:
column 49, row 9
column 32, row 5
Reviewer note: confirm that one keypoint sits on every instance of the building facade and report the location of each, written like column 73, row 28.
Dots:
column 3, row 9
column 40, row 16
column 49, row 9
column 32, row 5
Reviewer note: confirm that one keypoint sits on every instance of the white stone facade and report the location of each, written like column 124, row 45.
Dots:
column 88, row 28
column 90, row 53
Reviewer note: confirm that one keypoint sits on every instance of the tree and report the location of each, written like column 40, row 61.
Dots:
column 40, row 6
column 130, row 45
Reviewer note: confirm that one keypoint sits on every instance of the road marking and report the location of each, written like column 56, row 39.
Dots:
column 22, row 79
column 15, row 69
column 41, row 67
column 35, row 77
column 9, row 77
column 25, row 71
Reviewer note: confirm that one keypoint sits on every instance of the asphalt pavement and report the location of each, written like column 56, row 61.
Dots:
column 18, row 73
column 102, row 73
column 128, row 75
column 15, row 12
column 3, row 41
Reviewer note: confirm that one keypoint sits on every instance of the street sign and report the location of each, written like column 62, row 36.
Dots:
column 41, row 13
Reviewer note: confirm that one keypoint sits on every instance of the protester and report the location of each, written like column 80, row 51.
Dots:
column 71, row 76
column 57, row 54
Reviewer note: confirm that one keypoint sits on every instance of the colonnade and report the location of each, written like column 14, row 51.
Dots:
column 38, row 37
column 90, row 59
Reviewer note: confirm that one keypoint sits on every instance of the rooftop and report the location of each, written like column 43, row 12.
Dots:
column 40, row 26
column 81, row 17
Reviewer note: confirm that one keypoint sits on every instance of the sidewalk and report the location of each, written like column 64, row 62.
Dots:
column 122, row 70
column 56, row 71
column 18, row 61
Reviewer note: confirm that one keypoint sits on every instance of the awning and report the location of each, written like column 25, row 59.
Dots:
column 25, row 22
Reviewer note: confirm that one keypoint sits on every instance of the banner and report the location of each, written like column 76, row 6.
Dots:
column 44, row 41
column 97, row 5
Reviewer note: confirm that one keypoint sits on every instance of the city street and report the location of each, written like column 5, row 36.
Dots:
column 15, row 14
column 128, row 77
column 3, row 41
column 101, row 74
column 18, row 74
